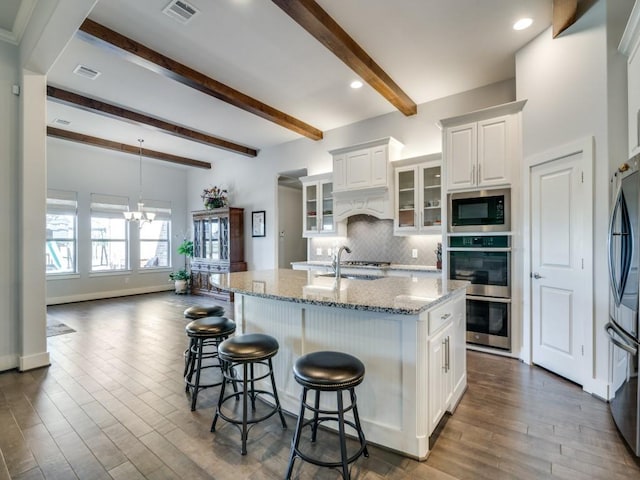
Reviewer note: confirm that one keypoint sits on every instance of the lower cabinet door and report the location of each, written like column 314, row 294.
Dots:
column 437, row 378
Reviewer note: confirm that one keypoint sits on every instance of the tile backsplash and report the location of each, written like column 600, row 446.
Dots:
column 371, row 239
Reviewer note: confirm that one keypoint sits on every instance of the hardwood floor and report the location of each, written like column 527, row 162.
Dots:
column 112, row 405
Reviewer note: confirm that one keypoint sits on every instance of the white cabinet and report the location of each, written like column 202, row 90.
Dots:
column 418, row 200
column 630, row 46
column 318, row 207
column 364, row 166
column 480, row 148
column 447, row 358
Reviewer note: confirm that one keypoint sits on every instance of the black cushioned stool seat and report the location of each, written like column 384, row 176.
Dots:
column 248, row 351
column 205, row 335
column 199, row 311
column 328, row 372
column 193, row 313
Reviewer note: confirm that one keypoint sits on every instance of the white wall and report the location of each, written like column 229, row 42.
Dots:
column 73, row 166
column 253, row 182
column 569, row 83
column 9, row 282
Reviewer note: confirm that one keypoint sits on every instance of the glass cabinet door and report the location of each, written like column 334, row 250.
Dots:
column 197, row 238
column 224, row 238
column 431, row 197
column 311, row 208
column 406, row 198
column 327, row 206
column 214, row 239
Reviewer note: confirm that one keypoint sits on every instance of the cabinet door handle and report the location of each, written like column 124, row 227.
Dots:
column 445, row 316
column 473, row 174
column 446, row 354
column 478, row 180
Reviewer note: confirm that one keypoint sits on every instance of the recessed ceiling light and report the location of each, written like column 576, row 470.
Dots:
column 356, row 84
column 522, row 24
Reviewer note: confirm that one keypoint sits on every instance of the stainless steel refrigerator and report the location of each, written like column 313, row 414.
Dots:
column 622, row 329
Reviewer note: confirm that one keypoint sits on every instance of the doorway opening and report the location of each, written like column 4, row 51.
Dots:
column 291, row 246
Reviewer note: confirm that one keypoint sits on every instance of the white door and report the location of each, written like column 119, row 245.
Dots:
column 560, row 287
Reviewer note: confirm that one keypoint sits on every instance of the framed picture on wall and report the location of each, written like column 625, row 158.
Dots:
column 257, row 224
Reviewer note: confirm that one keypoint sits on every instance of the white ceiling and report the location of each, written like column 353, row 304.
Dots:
column 431, row 48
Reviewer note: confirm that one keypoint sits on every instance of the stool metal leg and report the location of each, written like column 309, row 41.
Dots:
column 187, row 357
column 220, row 398
column 244, row 406
column 296, row 436
column 194, row 394
column 343, row 439
column 275, row 395
column 356, row 417
column 314, row 425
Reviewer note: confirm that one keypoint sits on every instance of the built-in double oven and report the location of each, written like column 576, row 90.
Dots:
column 480, row 253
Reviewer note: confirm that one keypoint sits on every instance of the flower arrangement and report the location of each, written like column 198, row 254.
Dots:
column 214, row 197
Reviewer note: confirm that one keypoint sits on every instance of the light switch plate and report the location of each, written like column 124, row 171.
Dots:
column 414, row 253
column 318, row 251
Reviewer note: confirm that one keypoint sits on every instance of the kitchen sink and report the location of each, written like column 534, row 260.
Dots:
column 353, row 276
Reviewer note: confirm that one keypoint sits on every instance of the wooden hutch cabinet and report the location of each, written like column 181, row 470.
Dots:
column 218, row 247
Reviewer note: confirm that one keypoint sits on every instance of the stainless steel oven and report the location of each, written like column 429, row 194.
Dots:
column 489, row 321
column 485, row 261
column 480, row 211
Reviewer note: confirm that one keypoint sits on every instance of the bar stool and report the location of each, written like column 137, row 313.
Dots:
column 207, row 332
column 247, row 351
column 193, row 313
column 328, row 372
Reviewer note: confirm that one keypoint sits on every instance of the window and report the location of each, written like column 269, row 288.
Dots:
column 155, row 247
column 109, row 239
column 61, row 245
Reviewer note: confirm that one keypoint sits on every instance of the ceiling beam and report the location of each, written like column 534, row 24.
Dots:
column 156, row 62
column 112, row 111
column 564, row 15
column 310, row 16
column 123, row 147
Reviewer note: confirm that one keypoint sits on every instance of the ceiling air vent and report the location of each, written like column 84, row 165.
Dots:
column 180, row 11
column 86, row 72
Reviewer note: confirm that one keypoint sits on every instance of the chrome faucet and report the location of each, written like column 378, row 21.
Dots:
column 336, row 259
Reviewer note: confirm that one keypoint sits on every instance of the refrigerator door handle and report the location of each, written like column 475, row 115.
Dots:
column 622, row 332
column 625, row 244
column 624, row 346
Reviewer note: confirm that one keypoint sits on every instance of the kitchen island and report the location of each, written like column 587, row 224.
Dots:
column 409, row 333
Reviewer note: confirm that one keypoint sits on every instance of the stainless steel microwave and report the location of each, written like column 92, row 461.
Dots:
column 480, row 211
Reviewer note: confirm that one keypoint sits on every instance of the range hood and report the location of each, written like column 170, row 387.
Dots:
column 363, row 179
column 377, row 203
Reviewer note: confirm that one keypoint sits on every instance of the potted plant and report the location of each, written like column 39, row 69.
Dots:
column 182, row 277
column 181, row 280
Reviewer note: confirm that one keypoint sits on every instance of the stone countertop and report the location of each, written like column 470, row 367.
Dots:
column 396, row 295
column 393, row 266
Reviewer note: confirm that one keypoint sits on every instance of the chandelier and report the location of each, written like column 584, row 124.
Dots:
column 139, row 215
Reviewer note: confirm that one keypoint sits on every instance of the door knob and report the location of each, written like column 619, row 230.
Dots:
column 536, row 275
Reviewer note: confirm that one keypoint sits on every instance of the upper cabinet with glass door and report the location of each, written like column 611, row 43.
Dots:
column 418, row 196
column 317, row 207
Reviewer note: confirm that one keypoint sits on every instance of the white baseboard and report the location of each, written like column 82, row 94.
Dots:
column 34, row 361
column 598, row 388
column 108, row 294
column 8, row 362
